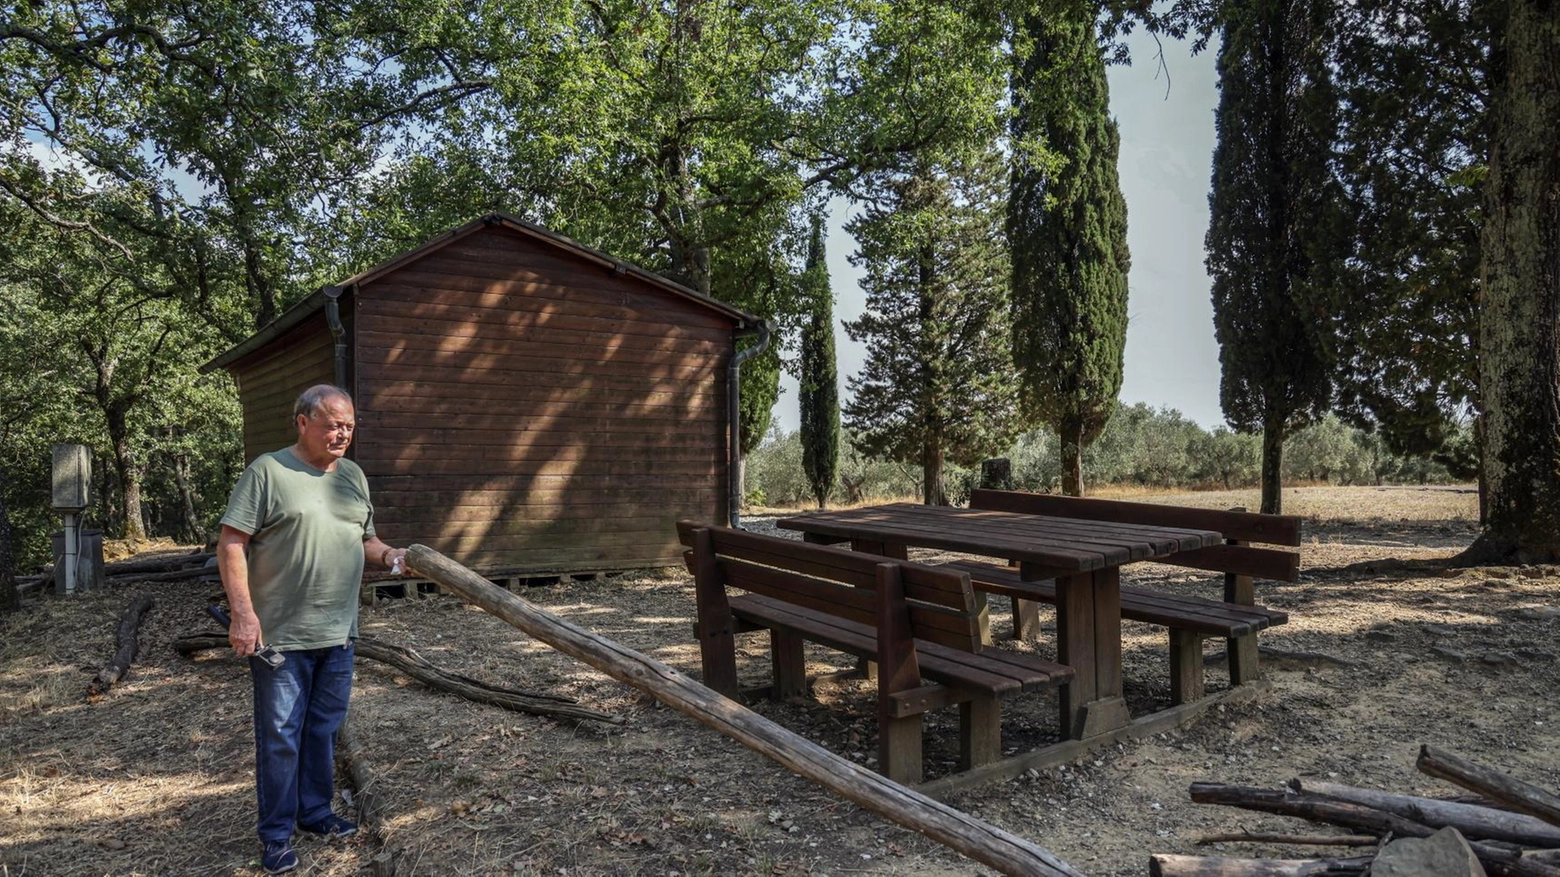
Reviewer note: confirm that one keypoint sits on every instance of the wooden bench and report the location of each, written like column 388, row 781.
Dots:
column 1190, row 620
column 919, row 623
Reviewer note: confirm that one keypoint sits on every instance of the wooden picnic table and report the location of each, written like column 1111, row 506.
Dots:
column 1084, row 557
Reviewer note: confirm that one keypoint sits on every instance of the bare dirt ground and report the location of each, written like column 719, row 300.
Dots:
column 155, row 778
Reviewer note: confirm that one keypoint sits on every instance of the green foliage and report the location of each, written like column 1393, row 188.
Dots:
column 936, row 383
column 1274, row 230
column 1404, row 318
column 819, row 395
column 1067, row 223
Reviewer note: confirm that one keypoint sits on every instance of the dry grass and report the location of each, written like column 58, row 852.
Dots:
column 155, row 778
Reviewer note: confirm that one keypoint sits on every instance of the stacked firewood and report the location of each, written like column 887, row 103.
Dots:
column 1507, row 825
column 165, row 568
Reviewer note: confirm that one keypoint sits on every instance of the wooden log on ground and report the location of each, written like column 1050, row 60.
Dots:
column 175, row 575
column 1521, row 796
column 1348, row 815
column 127, row 642
column 349, row 752
column 1304, row 840
column 156, row 564
column 998, row 849
column 1166, row 865
column 419, row 668
column 1475, row 823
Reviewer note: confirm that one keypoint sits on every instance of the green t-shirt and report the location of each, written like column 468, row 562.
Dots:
column 307, row 529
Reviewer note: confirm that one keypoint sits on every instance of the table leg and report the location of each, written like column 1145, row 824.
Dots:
column 1088, row 633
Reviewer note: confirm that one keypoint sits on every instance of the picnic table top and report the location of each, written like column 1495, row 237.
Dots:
column 1064, row 544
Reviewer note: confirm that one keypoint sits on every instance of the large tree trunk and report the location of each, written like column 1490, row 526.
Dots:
column 181, row 477
column 1519, row 316
column 932, row 492
column 127, row 470
column 1070, row 435
column 1273, row 435
column 10, row 598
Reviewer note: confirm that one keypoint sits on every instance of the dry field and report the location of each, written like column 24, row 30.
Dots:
column 155, row 778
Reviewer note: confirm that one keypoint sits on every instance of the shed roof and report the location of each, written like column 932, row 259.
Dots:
column 315, row 301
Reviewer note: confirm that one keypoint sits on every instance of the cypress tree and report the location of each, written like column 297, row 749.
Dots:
column 1269, row 241
column 1067, row 223
column 937, row 384
column 819, row 394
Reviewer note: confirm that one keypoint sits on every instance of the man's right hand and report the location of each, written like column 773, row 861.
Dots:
column 244, row 633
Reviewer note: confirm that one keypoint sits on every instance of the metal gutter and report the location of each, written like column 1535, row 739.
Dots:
column 761, row 328
column 333, row 296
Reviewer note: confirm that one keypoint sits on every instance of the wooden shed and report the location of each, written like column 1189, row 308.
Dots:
column 525, row 404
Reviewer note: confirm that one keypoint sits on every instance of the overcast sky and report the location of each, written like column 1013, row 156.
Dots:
column 1166, row 151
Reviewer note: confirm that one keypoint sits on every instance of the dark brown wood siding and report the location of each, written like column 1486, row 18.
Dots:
column 270, row 379
column 524, row 409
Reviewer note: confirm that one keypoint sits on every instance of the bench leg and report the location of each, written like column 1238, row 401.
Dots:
column 983, row 617
column 899, row 749
column 1186, row 666
column 1242, row 650
column 790, row 670
column 980, row 732
column 1243, row 659
column 1026, row 620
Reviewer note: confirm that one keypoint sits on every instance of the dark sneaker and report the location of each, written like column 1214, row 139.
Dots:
column 332, row 827
column 279, row 857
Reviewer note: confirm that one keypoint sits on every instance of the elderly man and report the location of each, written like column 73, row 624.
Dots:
column 304, row 516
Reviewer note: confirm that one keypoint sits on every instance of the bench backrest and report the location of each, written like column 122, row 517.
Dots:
column 1237, row 557
column 940, row 603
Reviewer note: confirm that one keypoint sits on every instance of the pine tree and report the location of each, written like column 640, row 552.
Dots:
column 1067, row 223
column 937, row 384
column 819, row 394
column 1271, row 235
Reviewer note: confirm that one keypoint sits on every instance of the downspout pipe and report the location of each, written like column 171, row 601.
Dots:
column 333, row 296
column 763, row 329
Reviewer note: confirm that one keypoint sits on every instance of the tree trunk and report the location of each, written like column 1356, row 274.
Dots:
column 10, row 597
column 932, row 492
column 1070, row 434
column 126, row 470
column 1474, row 822
column 181, row 476
column 1492, row 784
column 1273, row 466
column 1519, row 363
column 127, row 643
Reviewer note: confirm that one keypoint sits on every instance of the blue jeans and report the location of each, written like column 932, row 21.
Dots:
column 298, row 708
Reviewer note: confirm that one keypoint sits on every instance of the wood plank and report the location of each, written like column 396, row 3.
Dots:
column 927, row 583
column 440, row 334
column 540, row 303
column 483, row 323
column 458, row 430
column 634, row 296
column 375, row 348
column 571, row 468
column 860, row 638
column 1246, row 526
column 374, row 453
column 548, row 386
column 927, row 537
column 413, row 507
column 1139, row 541
column 481, row 485
column 1262, row 563
column 522, row 521
column 559, row 324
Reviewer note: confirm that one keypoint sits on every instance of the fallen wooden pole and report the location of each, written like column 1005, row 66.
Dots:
column 1349, row 815
column 349, row 751
column 985, row 843
column 1166, row 865
column 1308, row 840
column 1474, row 822
column 127, row 641
column 1490, row 783
column 421, row 669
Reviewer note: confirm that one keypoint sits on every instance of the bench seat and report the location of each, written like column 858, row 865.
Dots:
column 1189, row 619
column 994, row 672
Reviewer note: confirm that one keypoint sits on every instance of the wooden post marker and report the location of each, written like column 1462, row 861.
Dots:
column 987, row 844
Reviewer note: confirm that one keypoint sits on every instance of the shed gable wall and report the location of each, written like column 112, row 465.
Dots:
column 270, row 379
column 524, row 409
